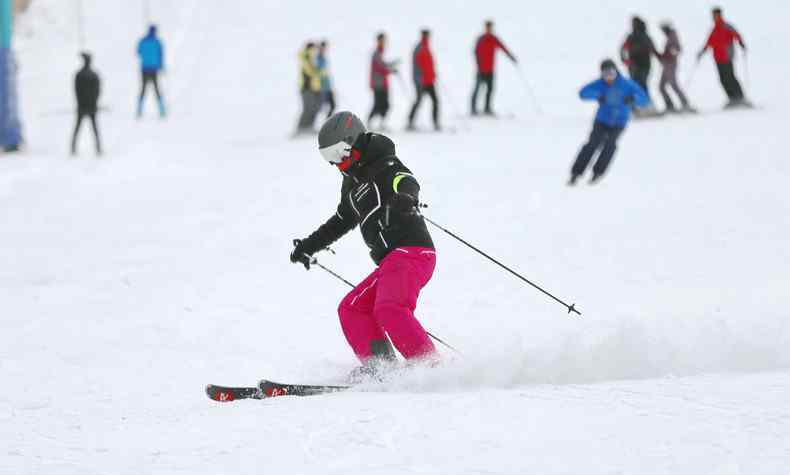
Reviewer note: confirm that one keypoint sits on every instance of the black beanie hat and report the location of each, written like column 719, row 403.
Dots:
column 608, row 64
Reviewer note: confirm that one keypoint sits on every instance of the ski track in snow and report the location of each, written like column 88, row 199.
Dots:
column 128, row 283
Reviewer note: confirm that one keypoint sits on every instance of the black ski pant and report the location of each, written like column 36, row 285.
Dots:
column 80, row 116
column 153, row 78
column 603, row 137
column 421, row 91
column 640, row 75
column 328, row 97
column 486, row 79
column 381, row 103
column 728, row 80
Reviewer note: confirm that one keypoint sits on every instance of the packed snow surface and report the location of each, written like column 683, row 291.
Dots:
column 129, row 282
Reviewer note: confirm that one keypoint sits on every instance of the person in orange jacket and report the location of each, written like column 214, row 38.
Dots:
column 424, row 79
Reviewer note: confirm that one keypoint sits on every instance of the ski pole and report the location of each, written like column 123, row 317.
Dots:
column 746, row 69
column 571, row 308
column 444, row 92
column 402, row 82
column 691, row 75
column 529, row 89
column 314, row 261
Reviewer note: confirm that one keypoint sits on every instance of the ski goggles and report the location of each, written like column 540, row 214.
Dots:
column 337, row 154
column 609, row 73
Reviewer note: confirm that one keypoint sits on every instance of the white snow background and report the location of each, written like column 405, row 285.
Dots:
column 127, row 283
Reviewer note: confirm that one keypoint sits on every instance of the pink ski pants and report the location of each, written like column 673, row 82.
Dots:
column 383, row 305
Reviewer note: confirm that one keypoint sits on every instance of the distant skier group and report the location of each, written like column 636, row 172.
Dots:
column 315, row 85
column 87, row 86
column 618, row 96
column 638, row 50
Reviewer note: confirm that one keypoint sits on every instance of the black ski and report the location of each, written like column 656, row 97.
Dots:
column 268, row 389
column 272, row 389
column 227, row 393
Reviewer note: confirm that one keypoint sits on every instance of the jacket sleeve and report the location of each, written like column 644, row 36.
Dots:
column 502, row 46
column 98, row 88
column 309, row 68
column 417, row 65
column 405, row 183
column 736, row 36
column 343, row 221
column 654, row 50
column 640, row 96
column 592, row 91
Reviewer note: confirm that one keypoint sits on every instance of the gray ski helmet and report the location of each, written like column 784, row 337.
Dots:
column 338, row 134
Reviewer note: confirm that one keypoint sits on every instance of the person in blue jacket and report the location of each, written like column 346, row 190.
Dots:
column 615, row 94
column 152, row 62
column 322, row 63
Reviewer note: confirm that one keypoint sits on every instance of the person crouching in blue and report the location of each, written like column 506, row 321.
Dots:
column 615, row 94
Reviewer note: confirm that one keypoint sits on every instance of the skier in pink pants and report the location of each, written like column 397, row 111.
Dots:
column 380, row 195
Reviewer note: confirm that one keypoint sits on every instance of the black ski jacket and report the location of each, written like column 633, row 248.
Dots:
column 87, row 88
column 638, row 50
column 365, row 199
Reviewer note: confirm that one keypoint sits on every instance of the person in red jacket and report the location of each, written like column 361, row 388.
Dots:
column 722, row 41
column 485, row 53
column 424, row 79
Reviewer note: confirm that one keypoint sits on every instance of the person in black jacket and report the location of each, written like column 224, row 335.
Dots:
column 87, row 88
column 380, row 196
column 637, row 53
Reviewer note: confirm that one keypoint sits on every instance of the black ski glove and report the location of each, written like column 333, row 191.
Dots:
column 401, row 204
column 300, row 254
column 628, row 100
column 602, row 99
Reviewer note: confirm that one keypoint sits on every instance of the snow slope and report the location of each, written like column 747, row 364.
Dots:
column 128, row 283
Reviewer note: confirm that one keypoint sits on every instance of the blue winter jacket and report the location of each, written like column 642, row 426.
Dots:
column 151, row 53
column 322, row 65
column 614, row 110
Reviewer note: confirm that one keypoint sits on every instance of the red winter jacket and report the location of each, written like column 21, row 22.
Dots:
column 722, row 40
column 379, row 70
column 424, row 72
column 485, row 50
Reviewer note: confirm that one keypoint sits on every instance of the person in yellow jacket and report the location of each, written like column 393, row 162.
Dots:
column 309, row 87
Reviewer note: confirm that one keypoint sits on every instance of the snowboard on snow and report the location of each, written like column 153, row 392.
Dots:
column 268, row 389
